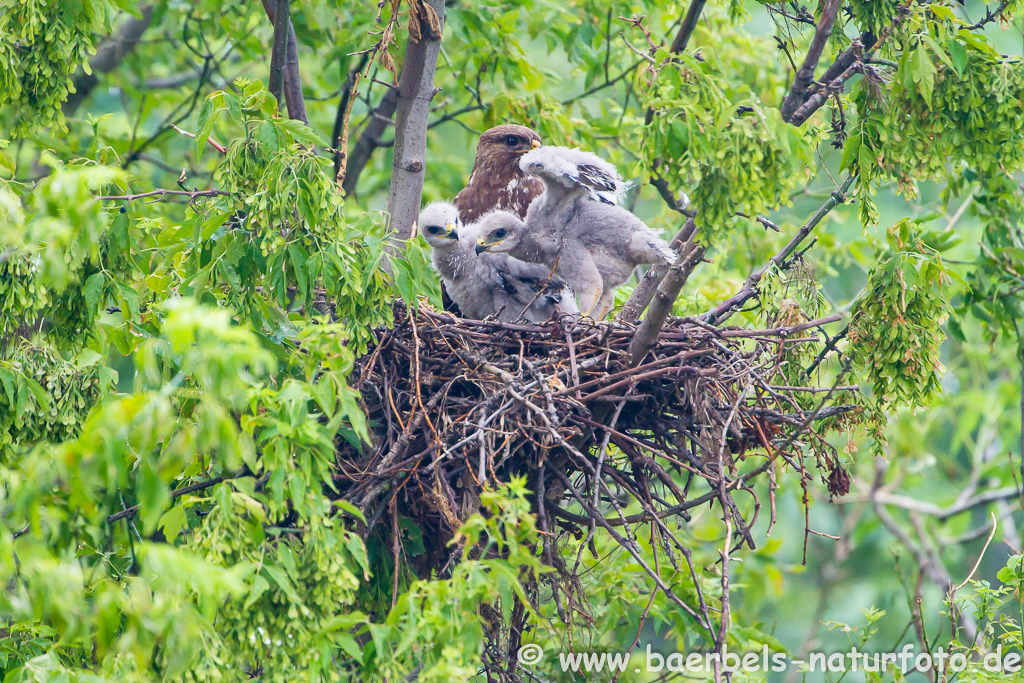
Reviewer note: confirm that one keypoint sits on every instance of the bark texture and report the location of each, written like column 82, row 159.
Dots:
column 414, row 93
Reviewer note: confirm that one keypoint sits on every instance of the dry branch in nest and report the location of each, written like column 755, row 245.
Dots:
column 459, row 404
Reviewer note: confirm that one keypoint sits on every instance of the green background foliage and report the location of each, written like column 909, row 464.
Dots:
column 154, row 343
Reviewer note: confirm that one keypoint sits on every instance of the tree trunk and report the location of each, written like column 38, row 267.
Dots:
column 415, row 90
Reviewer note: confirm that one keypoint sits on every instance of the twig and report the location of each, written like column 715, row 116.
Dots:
column 191, row 488
column 723, row 310
column 162, row 193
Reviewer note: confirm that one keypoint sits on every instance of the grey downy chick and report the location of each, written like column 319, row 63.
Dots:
column 490, row 284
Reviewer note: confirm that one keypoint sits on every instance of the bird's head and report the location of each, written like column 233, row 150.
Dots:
column 498, row 232
column 438, row 223
column 506, row 144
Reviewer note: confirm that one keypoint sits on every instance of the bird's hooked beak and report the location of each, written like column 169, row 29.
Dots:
column 480, row 247
column 451, row 231
column 535, row 145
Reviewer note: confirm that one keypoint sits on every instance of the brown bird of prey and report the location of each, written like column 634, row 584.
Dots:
column 497, row 181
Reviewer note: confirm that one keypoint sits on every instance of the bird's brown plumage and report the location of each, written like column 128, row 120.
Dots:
column 497, row 182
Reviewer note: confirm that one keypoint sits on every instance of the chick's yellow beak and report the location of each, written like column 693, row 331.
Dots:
column 481, row 246
column 536, row 144
column 451, row 231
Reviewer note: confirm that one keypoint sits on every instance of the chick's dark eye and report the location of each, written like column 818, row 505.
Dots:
column 500, row 233
column 433, row 229
column 511, row 141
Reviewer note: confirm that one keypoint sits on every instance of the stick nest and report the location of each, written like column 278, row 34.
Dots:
column 455, row 405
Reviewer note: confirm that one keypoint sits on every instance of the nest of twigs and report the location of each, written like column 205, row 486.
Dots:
column 458, row 404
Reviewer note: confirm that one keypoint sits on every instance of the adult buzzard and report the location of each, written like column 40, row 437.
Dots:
column 497, row 181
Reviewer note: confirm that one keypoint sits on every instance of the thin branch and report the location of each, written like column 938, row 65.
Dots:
column 990, row 16
column 369, row 139
column 191, row 488
column 944, row 513
column 339, row 136
column 160, row 194
column 629, row 546
column 724, row 309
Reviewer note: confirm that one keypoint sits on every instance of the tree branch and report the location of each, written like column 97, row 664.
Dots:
column 415, row 91
column 688, row 26
column 282, row 20
column 339, row 136
column 805, row 74
column 814, row 102
column 848, row 63
column 108, row 57
column 944, row 513
column 292, row 80
column 191, row 488
column 990, row 16
column 647, row 334
column 724, row 309
column 648, row 285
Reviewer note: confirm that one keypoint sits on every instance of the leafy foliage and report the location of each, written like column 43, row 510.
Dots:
column 896, row 328
column 42, row 44
column 176, row 369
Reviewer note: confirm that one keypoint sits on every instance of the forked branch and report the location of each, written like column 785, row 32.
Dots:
column 723, row 310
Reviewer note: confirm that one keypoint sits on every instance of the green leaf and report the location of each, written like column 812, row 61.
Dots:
column 300, row 132
column 205, row 116
column 943, row 12
column 152, row 493
column 172, row 522
column 957, row 55
column 259, row 587
column 939, row 52
column 923, row 72
column 130, row 300
column 283, row 582
column 93, row 288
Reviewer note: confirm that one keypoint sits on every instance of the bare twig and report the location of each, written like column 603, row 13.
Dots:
column 723, row 310
column 160, row 194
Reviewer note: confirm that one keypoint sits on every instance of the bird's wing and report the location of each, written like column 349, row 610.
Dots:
column 531, row 284
column 570, row 168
